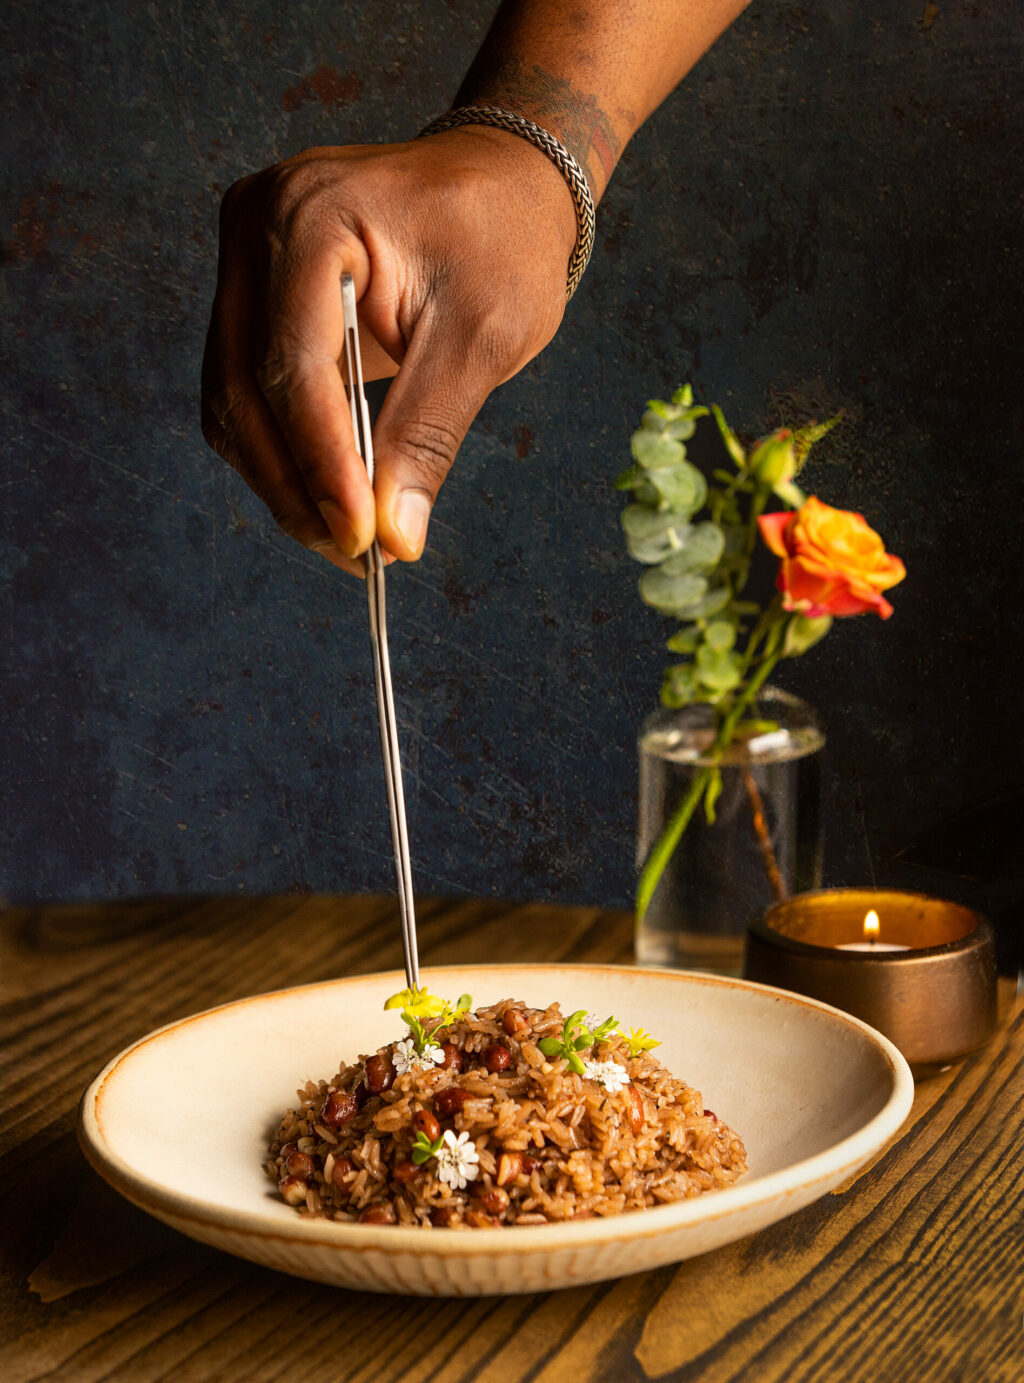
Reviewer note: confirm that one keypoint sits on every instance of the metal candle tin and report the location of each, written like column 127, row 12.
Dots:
column 936, row 1000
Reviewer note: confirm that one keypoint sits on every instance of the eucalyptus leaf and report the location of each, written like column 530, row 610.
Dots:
column 653, row 534
column 720, row 635
column 681, row 486
column 645, row 493
column 682, row 429
column 679, row 686
column 716, row 599
column 700, row 550
column 651, row 551
column 626, row 479
column 646, row 521
column 685, row 640
column 671, row 594
column 719, row 670
column 655, row 450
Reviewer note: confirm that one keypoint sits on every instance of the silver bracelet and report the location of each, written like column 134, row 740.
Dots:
column 559, row 155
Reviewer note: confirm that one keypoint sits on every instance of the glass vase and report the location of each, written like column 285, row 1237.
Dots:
column 765, row 841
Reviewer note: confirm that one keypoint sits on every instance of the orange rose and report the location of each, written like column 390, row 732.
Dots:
column 833, row 563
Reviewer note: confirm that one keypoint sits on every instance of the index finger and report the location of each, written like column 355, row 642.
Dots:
column 302, row 383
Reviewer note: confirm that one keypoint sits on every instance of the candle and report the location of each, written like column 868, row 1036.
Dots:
column 930, row 986
column 872, row 942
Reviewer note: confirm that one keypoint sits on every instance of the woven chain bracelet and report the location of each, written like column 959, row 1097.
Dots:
column 559, row 155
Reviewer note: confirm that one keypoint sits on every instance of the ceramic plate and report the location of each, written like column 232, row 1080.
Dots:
column 179, row 1122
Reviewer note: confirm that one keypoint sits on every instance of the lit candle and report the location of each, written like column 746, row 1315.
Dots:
column 931, row 988
column 872, row 928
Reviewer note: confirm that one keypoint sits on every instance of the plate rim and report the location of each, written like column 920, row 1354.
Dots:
column 350, row 1237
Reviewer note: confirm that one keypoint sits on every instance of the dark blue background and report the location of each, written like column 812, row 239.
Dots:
column 825, row 216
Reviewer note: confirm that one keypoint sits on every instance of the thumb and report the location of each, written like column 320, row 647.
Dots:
column 428, row 410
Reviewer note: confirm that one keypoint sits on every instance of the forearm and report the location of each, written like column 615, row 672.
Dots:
column 591, row 71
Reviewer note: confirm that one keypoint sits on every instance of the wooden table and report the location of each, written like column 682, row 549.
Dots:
column 913, row 1271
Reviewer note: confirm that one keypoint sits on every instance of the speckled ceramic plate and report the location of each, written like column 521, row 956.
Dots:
column 179, row 1122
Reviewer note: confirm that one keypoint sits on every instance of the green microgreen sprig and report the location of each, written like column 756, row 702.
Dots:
column 423, row 1149
column 577, row 1037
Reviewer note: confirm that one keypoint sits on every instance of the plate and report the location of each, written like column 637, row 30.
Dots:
column 179, row 1123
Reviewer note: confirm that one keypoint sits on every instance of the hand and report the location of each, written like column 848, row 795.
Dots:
column 458, row 245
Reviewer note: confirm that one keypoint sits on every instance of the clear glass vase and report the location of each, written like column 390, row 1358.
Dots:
column 764, row 844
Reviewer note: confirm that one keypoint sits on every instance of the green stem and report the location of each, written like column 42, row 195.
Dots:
column 671, row 833
column 664, row 847
column 757, row 503
column 728, row 728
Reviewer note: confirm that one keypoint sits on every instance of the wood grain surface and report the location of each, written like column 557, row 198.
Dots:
column 912, row 1271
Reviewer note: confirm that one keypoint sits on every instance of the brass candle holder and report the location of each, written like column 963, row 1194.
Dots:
column 928, row 982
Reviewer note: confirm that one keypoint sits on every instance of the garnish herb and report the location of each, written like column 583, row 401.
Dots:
column 423, row 1149
column 577, row 1037
column 418, row 1004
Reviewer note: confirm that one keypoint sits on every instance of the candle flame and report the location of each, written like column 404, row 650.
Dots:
column 872, row 926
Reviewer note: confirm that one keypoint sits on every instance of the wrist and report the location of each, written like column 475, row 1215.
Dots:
column 535, row 156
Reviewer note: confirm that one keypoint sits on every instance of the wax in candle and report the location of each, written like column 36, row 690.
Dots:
column 871, row 946
column 872, row 926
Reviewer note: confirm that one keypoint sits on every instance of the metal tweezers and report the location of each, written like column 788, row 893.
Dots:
column 374, row 562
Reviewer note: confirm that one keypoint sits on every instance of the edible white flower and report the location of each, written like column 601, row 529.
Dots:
column 607, row 1073
column 407, row 1058
column 457, row 1160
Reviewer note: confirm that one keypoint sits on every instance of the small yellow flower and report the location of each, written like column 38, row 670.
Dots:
column 639, row 1041
column 419, row 1002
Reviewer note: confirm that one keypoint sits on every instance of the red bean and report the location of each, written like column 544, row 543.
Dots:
column 442, row 1216
column 342, row 1168
column 361, row 1093
column 492, row 1200
column 529, row 1164
column 300, row 1164
column 339, row 1108
column 288, row 1149
column 406, row 1170
column 452, row 1057
column 450, row 1101
column 380, row 1213
column 424, row 1122
column 476, row 1220
column 497, row 1057
column 708, row 1114
column 293, row 1190
column 380, row 1074
column 514, row 1020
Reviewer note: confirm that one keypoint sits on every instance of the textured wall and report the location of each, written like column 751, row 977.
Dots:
column 826, row 215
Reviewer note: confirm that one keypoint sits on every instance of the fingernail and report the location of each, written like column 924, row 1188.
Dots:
column 412, row 514
column 341, row 530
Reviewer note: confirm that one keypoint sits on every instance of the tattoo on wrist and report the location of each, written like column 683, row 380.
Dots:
column 554, row 103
